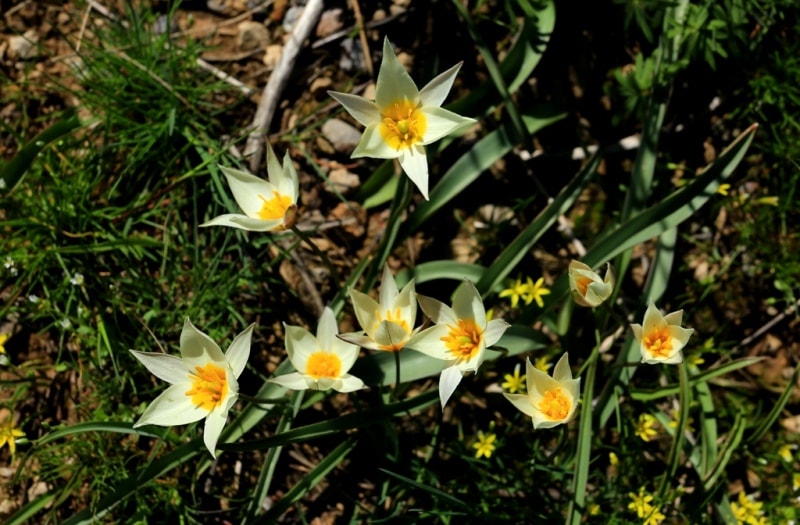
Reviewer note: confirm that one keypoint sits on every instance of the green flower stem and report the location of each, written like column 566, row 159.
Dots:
column 584, row 452
column 684, row 401
column 399, row 206
column 396, row 392
column 314, row 248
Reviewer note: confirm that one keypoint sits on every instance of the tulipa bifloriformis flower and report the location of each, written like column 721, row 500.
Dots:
column 461, row 335
column 322, row 362
column 389, row 322
column 403, row 119
column 267, row 205
column 661, row 337
column 586, row 285
column 203, row 382
column 550, row 401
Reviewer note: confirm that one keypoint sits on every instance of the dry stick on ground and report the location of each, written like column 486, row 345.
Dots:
column 277, row 81
column 363, row 37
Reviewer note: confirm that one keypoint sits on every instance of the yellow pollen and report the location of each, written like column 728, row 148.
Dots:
column 274, row 208
column 402, row 125
column 324, row 365
column 583, row 284
column 555, row 404
column 209, row 386
column 464, row 340
column 658, row 342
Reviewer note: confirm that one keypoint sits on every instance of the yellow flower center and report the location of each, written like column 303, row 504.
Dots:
column 555, row 405
column 274, row 208
column 396, row 317
column 324, row 365
column 209, row 386
column 583, row 284
column 658, row 342
column 403, row 124
column 464, row 340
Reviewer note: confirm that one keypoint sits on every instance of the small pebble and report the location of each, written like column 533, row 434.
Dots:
column 342, row 135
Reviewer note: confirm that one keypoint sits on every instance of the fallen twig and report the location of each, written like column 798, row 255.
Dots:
column 277, row 81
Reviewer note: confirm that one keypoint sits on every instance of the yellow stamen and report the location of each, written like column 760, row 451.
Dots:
column 209, row 386
column 583, row 284
column 658, row 342
column 464, row 340
column 555, row 405
column 274, row 208
column 324, row 365
column 402, row 125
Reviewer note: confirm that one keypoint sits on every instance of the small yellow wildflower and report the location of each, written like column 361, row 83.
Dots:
column 535, row 291
column 3, row 339
column 723, row 189
column 785, row 452
column 8, row 434
column 485, row 445
column 771, row 201
column 542, row 363
column 674, row 423
column 613, row 459
column 640, row 504
column 514, row 382
column 748, row 511
column 695, row 360
column 796, row 481
column 515, row 291
column 594, row 509
column 645, row 427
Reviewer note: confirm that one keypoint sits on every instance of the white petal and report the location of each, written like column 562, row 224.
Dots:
column 494, row 331
column 674, row 317
column 373, row 145
column 243, row 222
column 389, row 290
column 300, row 344
column 239, row 351
column 415, row 164
column 366, row 308
column 292, row 381
column 291, row 182
column 197, row 349
column 327, row 330
column 246, row 189
column 406, row 301
column 394, row 82
column 637, row 331
column 350, row 384
column 429, row 342
column 364, row 111
column 562, row 372
column 440, row 122
column 348, row 353
column 164, row 366
column 215, row 422
column 522, row 403
column 448, row 381
column 361, row 340
column 652, row 319
column 435, row 91
column 438, row 312
column 274, row 170
column 172, row 407
column 467, row 304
